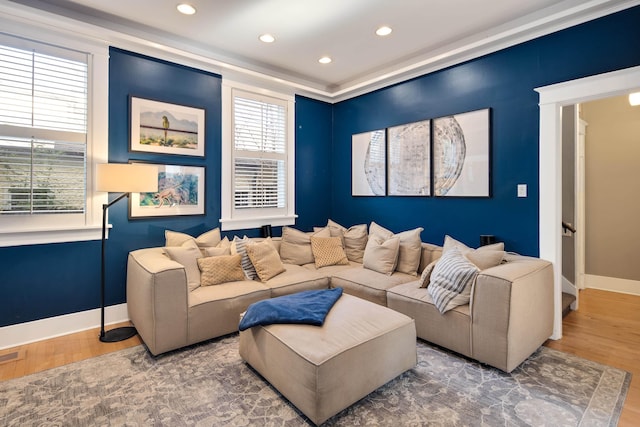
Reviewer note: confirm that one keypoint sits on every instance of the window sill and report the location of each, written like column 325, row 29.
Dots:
column 256, row 222
column 44, row 236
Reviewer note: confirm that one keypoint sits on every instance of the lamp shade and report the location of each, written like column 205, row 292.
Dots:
column 126, row 178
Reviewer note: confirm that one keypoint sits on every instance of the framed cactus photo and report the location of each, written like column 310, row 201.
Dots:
column 160, row 127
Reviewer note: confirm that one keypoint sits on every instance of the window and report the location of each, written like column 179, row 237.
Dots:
column 46, row 146
column 43, row 132
column 257, row 158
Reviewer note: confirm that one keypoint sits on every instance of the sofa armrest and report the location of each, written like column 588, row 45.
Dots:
column 512, row 311
column 157, row 299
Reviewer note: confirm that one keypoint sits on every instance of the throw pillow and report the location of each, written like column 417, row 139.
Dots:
column 410, row 251
column 354, row 239
column 328, row 251
column 220, row 269
column 295, row 246
column 265, row 259
column 217, row 251
column 449, row 242
column 425, row 277
column 381, row 255
column 239, row 247
column 207, row 239
column 451, row 280
column 484, row 257
column 188, row 257
column 378, row 230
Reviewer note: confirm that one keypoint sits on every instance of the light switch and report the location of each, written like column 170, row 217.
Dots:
column 522, row 190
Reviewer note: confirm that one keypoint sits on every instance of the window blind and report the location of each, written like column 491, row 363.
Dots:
column 43, row 130
column 260, row 145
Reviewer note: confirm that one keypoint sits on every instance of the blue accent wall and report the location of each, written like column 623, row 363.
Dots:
column 503, row 81
column 41, row 281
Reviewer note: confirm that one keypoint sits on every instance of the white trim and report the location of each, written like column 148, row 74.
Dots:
column 613, row 284
column 229, row 219
column 527, row 28
column 552, row 99
column 38, row 330
column 56, row 228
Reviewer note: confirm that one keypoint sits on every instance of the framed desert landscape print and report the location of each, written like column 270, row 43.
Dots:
column 180, row 192
column 462, row 155
column 160, row 127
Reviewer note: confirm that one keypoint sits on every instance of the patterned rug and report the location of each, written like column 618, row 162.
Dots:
column 209, row 385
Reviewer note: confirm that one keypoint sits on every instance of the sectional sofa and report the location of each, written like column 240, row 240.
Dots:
column 501, row 316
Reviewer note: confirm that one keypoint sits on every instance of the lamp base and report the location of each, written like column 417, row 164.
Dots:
column 118, row 334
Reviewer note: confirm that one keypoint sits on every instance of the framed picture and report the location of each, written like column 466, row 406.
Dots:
column 462, row 155
column 180, row 192
column 368, row 164
column 409, row 159
column 160, row 127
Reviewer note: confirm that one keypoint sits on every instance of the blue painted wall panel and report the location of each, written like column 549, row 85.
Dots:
column 505, row 82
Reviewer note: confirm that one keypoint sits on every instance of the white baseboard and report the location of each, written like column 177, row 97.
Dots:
column 28, row 332
column 612, row 284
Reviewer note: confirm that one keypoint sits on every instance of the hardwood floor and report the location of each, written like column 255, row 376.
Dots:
column 605, row 329
column 42, row 355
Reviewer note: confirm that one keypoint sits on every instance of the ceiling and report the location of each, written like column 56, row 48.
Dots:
column 427, row 34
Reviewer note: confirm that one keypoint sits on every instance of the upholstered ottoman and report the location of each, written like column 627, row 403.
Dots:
column 323, row 370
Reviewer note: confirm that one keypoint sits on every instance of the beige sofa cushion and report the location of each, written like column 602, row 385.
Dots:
column 328, row 251
column 187, row 255
column 295, row 247
column 215, row 270
column 410, row 250
column 208, row 239
column 354, row 239
column 381, row 254
column 265, row 259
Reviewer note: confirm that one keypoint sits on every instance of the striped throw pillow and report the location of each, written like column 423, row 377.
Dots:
column 240, row 248
column 451, row 280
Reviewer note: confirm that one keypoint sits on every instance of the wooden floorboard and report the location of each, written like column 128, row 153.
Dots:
column 605, row 329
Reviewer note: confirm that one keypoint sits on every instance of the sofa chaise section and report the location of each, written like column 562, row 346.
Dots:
column 510, row 314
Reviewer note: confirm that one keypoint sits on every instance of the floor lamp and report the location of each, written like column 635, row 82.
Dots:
column 120, row 178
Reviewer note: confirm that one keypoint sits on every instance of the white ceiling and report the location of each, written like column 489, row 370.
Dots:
column 427, row 34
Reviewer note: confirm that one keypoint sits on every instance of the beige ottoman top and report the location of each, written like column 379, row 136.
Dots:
column 350, row 322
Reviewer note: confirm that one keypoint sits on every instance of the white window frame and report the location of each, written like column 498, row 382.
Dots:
column 238, row 219
column 18, row 230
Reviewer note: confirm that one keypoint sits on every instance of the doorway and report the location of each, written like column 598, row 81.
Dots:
column 552, row 99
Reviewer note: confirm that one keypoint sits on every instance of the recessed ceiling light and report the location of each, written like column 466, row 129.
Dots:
column 186, row 9
column 383, row 31
column 634, row 99
column 267, row 38
column 324, row 60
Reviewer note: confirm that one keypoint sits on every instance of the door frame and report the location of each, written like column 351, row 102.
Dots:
column 552, row 99
column 581, row 212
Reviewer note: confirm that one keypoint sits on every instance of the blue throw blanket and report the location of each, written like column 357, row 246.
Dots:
column 308, row 307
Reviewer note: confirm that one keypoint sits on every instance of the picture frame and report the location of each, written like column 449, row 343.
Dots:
column 162, row 127
column 368, row 163
column 409, row 159
column 181, row 191
column 461, row 154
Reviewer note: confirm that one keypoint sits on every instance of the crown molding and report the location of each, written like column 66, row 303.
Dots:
column 522, row 30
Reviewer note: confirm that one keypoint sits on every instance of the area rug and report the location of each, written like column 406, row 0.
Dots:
column 209, row 385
